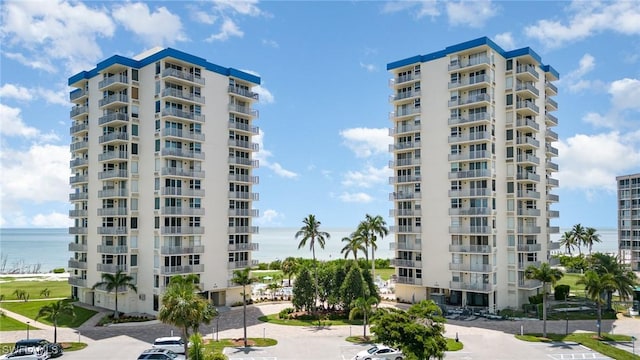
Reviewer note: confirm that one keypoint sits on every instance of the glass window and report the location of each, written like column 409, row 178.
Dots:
column 158, row 106
column 134, row 129
column 134, row 74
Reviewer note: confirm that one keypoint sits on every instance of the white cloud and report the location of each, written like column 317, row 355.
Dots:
column 15, row 92
column 588, row 18
column 470, row 13
column 505, row 40
column 269, row 217
column 574, row 79
column 277, row 168
column 154, row 28
column 12, row 125
column 369, row 67
column 365, row 142
column 625, row 105
column 359, row 197
column 227, row 30
column 204, row 17
column 270, row 43
column 21, row 93
column 54, row 30
column 625, row 94
column 241, row 7
column 51, row 220
column 424, row 7
column 591, row 162
column 57, row 97
column 263, row 156
column 368, row 177
column 265, row 95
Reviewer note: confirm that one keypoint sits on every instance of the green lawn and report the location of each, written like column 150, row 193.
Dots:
column 57, row 289
column 385, row 274
column 218, row 346
column 589, row 340
column 30, row 309
column 11, row 324
column 571, row 279
column 273, row 319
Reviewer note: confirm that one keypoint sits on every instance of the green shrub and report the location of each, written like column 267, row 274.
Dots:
column 219, row 356
column 284, row 313
column 58, row 270
column 535, row 299
column 561, row 292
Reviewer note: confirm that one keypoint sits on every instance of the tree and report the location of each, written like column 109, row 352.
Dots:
column 353, row 246
column 289, row 267
column 590, row 237
column 54, row 311
column 567, row 241
column 418, row 332
column 374, row 226
column 310, row 232
column 577, row 236
column 596, row 285
column 303, row 291
column 546, row 275
column 118, row 282
column 243, row 277
column 353, row 287
column 273, row 288
column 363, row 305
column 624, row 278
column 184, row 308
column 198, row 350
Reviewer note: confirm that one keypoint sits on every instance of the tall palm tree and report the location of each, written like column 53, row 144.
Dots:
column 577, row 236
column 54, row 311
column 596, row 285
column 243, row 277
column 567, row 241
column 590, row 237
column 546, row 275
column 289, row 267
column 624, row 278
column 361, row 236
column 353, row 246
column 363, row 304
column 374, row 226
column 118, row 282
column 310, row 232
column 183, row 307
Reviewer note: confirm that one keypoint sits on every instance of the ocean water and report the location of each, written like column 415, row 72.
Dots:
column 48, row 248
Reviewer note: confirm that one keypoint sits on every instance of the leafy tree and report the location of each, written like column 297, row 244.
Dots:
column 289, row 267
column 353, row 287
column 353, row 245
column 243, row 277
column 576, row 263
column 596, row 285
column 546, row 275
column 183, row 307
column 363, row 305
column 624, row 278
column 273, row 287
column 118, row 282
column 418, row 332
column 578, row 235
column 373, row 226
column 310, row 232
column 303, row 291
column 275, row 265
column 198, row 350
column 567, row 241
column 54, row 311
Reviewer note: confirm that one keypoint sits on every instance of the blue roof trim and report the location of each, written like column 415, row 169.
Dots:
column 168, row 52
column 550, row 69
column 470, row 45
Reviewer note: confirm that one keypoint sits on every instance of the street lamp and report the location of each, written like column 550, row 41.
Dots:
column 566, row 314
column 28, row 322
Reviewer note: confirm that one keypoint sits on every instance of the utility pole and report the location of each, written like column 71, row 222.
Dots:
column 566, row 314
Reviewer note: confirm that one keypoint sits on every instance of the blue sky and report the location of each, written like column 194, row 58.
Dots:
column 324, row 93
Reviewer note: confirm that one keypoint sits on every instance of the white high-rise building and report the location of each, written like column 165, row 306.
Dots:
column 162, row 164
column 473, row 173
column 629, row 219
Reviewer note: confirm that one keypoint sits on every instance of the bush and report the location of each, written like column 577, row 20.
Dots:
column 58, row 270
column 284, row 313
column 535, row 299
column 561, row 292
column 219, row 356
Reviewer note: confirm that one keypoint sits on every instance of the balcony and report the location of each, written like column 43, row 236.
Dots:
column 553, row 198
column 468, row 63
column 176, row 250
column 528, row 159
column 111, row 268
column 550, row 88
column 527, row 124
column 245, row 195
column 468, row 174
column 187, row 230
column 471, row 155
column 470, row 81
column 482, row 268
column 528, row 212
column 77, row 247
column 78, row 213
column 115, row 100
column 527, row 141
column 527, row 107
column 182, row 153
column 470, row 211
column 244, row 92
column 246, row 110
column 408, row 280
column 473, row 99
column 78, row 128
column 403, row 79
column 108, row 193
column 404, row 145
column 470, row 230
column 553, row 229
column 244, row 178
column 244, row 212
column 77, row 281
column 528, row 88
column 113, row 155
column 406, row 263
column 404, row 95
column 242, row 264
column 528, row 229
column 529, row 194
column 112, row 230
column 182, row 134
column 480, row 192
column 550, row 104
column 78, row 179
column 78, row 95
column 113, row 119
column 469, row 137
column 244, row 144
column 405, row 212
column 78, row 196
column 404, row 111
column 470, row 119
column 474, row 287
column 77, row 264
column 407, row 229
column 551, row 135
column 117, row 136
column 181, row 95
column 403, row 129
column 403, row 195
column 79, row 145
column 404, row 179
column 551, row 151
column 529, row 247
column 183, row 75
column 112, row 249
column 529, row 284
column 478, row 249
column 78, row 162
column 551, row 166
column 403, row 245
column 243, row 230
column 550, row 120
column 181, row 210
column 184, row 115
column 179, row 191
column 113, row 174
column 527, row 72
column 173, row 171
column 113, row 211
column 114, row 83
column 243, row 247
column 243, row 161
column 522, row 265
column 553, row 182
column 254, row 130
column 553, row 213
column 78, row 111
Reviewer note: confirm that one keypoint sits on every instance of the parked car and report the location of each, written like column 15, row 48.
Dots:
column 173, row 343
column 379, row 352
column 32, row 353
column 53, row 349
column 160, row 354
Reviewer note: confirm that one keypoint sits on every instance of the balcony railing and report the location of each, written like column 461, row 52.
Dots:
column 78, row 196
column 528, row 212
column 74, row 129
column 113, row 117
column 404, row 145
column 480, row 249
column 404, row 179
column 113, row 155
column 551, row 120
column 470, row 174
column 244, row 127
column 76, row 281
column 472, row 136
column 526, row 175
column 114, row 211
column 401, row 129
column 479, row 287
column 112, row 230
column 243, row 109
column 244, row 212
column 77, row 264
column 470, row 100
column 112, row 249
column 527, row 86
column 195, row 230
column 183, row 114
column 527, row 69
column 470, row 230
column 183, row 75
column 244, row 92
column 406, row 263
column 525, row 264
column 408, row 280
column 183, row 95
column 525, row 122
column 182, row 172
column 529, row 247
column 404, row 95
column 78, row 247
column 551, row 86
column 553, row 182
column 114, row 136
column 175, row 152
column 184, row 134
column 471, row 80
column 471, row 118
column 183, row 269
column 526, row 104
column 78, row 179
column 79, row 110
column 553, row 197
column 243, row 178
column 172, row 250
column 180, row 210
column 405, row 212
column 528, row 229
column 551, row 135
column 78, row 213
column 78, row 145
column 403, row 245
column 77, row 94
column 243, row 247
column 528, row 194
column 244, row 144
column 244, row 195
column 243, row 161
column 553, row 213
column 110, row 174
column 404, row 78
column 529, row 284
column 116, row 79
column 107, row 193
column 461, row 64
column 243, row 230
column 483, row 268
column 551, row 104
column 111, row 268
column 528, row 158
column 115, row 98
column 470, row 211
column 551, row 150
column 404, row 112
column 551, row 166
column 406, row 229
column 481, row 192
column 180, row 191
column 77, row 162
column 242, row 264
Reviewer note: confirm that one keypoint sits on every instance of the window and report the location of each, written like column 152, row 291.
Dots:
column 157, row 144
column 158, row 106
column 134, row 93
column 509, row 152
column 510, row 188
column 509, row 99
column 156, row 222
column 134, row 222
column 157, row 67
column 134, row 260
column 134, row 74
column 509, row 64
column 134, row 148
column 157, row 203
column 509, row 134
column 157, row 125
column 135, row 110
column 134, row 129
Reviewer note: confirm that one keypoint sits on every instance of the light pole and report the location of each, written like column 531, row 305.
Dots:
column 28, row 322
column 566, row 314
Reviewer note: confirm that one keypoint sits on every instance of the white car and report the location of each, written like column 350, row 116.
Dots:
column 173, row 343
column 379, row 352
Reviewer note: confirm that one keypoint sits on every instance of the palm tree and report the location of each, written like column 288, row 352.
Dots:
column 289, row 267
column 363, row 305
column 353, row 246
column 590, row 237
column 596, row 285
column 577, row 236
column 54, row 311
column 546, row 275
column 567, row 241
column 118, row 282
column 311, row 232
column 374, row 226
column 183, row 307
column 624, row 278
column 243, row 277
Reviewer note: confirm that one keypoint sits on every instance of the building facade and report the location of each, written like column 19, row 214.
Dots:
column 473, row 173
column 162, row 177
column 629, row 219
